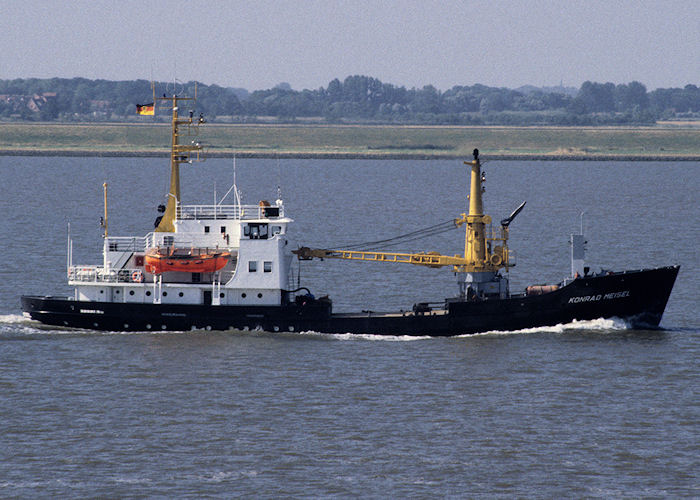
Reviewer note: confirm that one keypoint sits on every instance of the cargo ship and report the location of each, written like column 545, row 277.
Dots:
column 229, row 267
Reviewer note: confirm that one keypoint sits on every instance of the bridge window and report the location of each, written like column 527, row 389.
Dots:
column 271, row 211
column 256, row 231
column 252, row 266
column 206, row 229
column 267, row 266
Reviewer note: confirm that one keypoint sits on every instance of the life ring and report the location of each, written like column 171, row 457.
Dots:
column 137, row 276
column 496, row 260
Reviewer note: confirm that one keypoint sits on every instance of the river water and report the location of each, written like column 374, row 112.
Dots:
column 581, row 410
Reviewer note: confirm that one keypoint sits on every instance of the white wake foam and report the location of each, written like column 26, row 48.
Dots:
column 385, row 338
column 13, row 319
column 365, row 336
column 614, row 324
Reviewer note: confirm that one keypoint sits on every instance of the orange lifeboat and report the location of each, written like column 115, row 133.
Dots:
column 194, row 260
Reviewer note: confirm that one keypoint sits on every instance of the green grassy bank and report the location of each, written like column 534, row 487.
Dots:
column 354, row 141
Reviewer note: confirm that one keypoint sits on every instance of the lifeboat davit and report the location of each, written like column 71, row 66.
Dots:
column 185, row 260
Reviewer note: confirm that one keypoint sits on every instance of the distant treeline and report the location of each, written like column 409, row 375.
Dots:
column 357, row 99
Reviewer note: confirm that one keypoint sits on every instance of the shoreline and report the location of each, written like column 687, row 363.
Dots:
column 338, row 142
column 354, row 155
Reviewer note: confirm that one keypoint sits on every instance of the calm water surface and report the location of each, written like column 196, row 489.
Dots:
column 581, row 410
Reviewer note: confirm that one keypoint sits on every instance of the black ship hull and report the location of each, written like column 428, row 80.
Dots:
column 637, row 297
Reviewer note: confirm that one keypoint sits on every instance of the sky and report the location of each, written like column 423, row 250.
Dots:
column 307, row 43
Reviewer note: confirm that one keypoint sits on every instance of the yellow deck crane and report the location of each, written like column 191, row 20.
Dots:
column 485, row 252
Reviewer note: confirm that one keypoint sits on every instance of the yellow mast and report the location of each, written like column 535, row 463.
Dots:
column 179, row 153
column 104, row 220
column 105, row 242
column 475, row 250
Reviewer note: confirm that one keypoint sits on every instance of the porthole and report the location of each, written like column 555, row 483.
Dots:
column 165, row 294
column 208, row 328
column 222, row 295
column 277, row 328
column 260, row 295
column 163, row 327
column 95, row 325
column 148, row 326
column 181, row 294
column 243, row 295
column 102, row 291
column 117, row 292
column 291, row 328
column 126, row 325
column 148, row 293
column 131, row 292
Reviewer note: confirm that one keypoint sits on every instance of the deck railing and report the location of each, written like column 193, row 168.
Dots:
column 126, row 244
column 228, row 211
column 153, row 240
column 98, row 274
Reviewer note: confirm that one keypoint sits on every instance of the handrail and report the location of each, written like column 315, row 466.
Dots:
column 495, row 234
column 228, row 211
column 126, row 243
column 98, row 274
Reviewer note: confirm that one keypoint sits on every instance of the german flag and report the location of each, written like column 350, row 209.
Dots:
column 145, row 109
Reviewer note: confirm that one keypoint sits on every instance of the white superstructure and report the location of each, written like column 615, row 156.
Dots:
column 256, row 273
